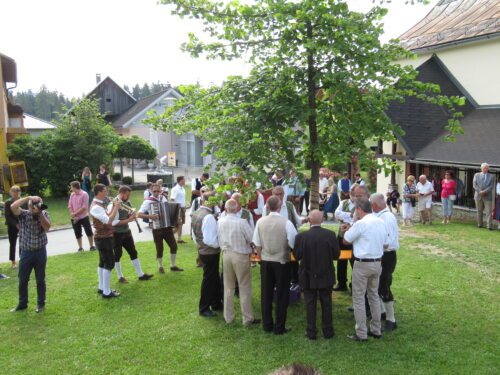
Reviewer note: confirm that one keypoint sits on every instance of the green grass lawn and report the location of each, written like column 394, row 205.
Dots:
column 446, row 286
column 59, row 215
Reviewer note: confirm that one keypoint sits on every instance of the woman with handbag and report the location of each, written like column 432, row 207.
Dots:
column 448, row 195
column 409, row 199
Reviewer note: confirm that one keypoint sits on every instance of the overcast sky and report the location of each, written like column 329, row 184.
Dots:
column 64, row 43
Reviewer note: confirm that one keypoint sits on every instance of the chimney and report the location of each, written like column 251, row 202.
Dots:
column 98, row 78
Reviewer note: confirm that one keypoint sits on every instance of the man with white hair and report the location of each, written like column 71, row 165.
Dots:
column 483, row 184
column 241, row 212
column 369, row 238
column 424, row 193
column 235, row 238
column 389, row 259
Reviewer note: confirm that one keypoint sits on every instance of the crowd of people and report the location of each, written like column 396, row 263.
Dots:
column 266, row 231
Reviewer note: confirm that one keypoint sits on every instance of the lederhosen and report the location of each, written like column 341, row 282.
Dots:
column 123, row 236
column 164, row 234
column 342, row 263
column 103, row 237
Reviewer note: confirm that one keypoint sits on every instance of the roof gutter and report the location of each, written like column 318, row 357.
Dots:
column 453, row 164
column 435, row 47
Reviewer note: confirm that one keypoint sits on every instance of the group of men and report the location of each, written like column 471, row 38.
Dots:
column 367, row 227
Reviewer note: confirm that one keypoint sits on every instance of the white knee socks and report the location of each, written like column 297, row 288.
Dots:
column 389, row 309
column 106, row 281
column 99, row 276
column 137, row 267
column 172, row 260
column 118, row 268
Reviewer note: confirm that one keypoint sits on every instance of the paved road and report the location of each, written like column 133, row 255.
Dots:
column 64, row 242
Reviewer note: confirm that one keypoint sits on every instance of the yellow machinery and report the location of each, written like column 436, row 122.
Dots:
column 11, row 173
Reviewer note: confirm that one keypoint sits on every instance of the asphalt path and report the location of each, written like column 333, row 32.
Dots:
column 62, row 241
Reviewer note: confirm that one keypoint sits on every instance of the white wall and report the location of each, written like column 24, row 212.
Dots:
column 475, row 65
column 383, row 180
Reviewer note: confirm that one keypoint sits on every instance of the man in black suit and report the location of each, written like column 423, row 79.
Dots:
column 316, row 249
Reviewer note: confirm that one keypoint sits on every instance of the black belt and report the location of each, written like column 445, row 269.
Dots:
column 367, row 260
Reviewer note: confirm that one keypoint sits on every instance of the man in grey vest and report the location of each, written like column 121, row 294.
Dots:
column 274, row 236
column 204, row 228
column 483, row 184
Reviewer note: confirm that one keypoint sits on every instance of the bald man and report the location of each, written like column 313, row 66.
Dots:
column 316, row 250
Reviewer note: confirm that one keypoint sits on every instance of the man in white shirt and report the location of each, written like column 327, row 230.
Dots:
column 323, row 185
column 178, row 195
column 197, row 184
column 103, row 237
column 274, row 237
column 368, row 237
column 235, row 238
column 424, row 192
column 161, row 234
column 389, row 259
column 204, row 229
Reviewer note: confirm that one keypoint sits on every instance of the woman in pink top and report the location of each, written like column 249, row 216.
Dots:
column 448, row 195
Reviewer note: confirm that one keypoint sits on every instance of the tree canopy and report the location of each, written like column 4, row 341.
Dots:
column 319, row 87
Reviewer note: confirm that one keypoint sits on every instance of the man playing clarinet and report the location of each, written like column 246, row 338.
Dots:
column 123, row 237
column 164, row 222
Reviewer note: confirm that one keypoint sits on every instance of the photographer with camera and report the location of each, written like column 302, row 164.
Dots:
column 34, row 223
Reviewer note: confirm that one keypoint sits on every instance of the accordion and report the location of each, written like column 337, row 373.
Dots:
column 168, row 214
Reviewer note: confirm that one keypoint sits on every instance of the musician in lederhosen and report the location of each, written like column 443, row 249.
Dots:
column 165, row 216
column 103, row 238
column 123, row 237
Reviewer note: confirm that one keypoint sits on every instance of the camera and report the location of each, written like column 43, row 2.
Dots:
column 40, row 205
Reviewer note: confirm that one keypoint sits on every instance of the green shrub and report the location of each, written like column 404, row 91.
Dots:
column 127, row 180
column 116, row 176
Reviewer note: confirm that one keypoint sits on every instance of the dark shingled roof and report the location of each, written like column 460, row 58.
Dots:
column 453, row 21
column 421, row 121
column 137, row 108
column 480, row 142
column 424, row 125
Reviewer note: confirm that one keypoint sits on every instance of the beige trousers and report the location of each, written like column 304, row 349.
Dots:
column 486, row 207
column 236, row 267
column 365, row 279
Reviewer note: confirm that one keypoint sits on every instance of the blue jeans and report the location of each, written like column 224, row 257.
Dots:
column 32, row 260
column 447, row 206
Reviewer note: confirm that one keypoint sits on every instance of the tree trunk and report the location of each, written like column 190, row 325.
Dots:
column 133, row 172
column 121, row 168
column 312, row 123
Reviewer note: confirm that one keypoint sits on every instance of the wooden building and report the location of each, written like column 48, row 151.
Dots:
column 458, row 47
column 127, row 115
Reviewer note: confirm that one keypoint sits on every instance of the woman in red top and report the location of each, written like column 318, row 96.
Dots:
column 448, row 195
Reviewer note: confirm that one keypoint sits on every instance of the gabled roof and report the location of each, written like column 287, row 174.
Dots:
column 32, row 122
column 142, row 106
column 108, row 80
column 454, row 21
column 422, row 122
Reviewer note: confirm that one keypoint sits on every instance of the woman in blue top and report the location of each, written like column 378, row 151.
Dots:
column 86, row 184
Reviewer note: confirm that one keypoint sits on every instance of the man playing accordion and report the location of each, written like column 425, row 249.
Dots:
column 165, row 217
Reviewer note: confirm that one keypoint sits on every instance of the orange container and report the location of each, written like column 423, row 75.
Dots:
column 345, row 254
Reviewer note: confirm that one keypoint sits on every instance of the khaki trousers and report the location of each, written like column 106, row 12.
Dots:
column 365, row 280
column 486, row 206
column 236, row 267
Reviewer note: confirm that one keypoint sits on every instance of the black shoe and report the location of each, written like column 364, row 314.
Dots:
column 374, row 335
column 113, row 294
column 383, row 316
column 254, row 322
column 356, row 338
column 208, row 314
column 217, row 308
column 329, row 336
column 390, row 326
column 40, row 309
column 99, row 291
column 310, row 337
column 93, row 248
column 340, row 288
column 146, row 277
column 80, row 249
column 19, row 308
column 285, row 331
column 176, row 269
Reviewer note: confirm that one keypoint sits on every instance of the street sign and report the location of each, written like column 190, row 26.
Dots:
column 171, row 162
